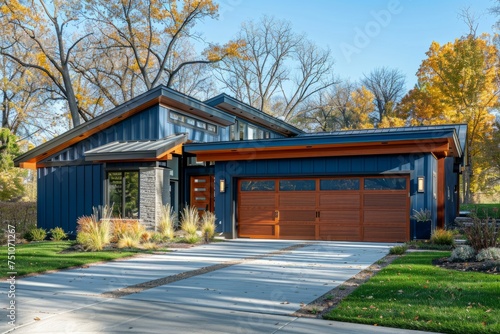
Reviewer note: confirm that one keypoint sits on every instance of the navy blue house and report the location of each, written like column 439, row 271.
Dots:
column 263, row 177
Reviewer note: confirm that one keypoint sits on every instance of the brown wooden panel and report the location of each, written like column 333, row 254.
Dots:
column 340, row 232
column 306, row 232
column 297, row 215
column 385, row 234
column 249, row 215
column 396, row 216
column 340, row 217
column 257, row 199
column 257, row 231
column 384, row 200
column 339, row 200
column 297, row 199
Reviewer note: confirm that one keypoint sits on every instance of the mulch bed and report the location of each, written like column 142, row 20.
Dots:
column 488, row 267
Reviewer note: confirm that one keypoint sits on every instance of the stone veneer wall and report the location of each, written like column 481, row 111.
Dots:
column 153, row 193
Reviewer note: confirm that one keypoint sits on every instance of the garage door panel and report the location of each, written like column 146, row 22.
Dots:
column 384, row 200
column 388, row 234
column 257, row 231
column 340, row 217
column 252, row 215
column 258, row 199
column 339, row 200
column 306, row 232
column 384, row 217
column 297, row 215
column 340, row 232
column 295, row 199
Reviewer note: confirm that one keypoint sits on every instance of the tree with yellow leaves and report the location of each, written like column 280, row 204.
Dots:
column 344, row 106
column 458, row 83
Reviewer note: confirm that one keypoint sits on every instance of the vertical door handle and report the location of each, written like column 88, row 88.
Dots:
column 276, row 215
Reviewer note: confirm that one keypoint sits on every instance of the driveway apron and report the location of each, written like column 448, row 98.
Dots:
column 240, row 286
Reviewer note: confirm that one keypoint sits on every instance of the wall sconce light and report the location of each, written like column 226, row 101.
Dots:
column 420, row 184
column 222, row 185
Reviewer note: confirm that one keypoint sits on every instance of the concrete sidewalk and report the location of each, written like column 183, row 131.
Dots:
column 254, row 291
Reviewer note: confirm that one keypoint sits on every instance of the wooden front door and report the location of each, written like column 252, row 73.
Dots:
column 202, row 193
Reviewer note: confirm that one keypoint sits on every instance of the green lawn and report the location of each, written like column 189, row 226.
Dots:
column 38, row 257
column 411, row 293
column 482, row 209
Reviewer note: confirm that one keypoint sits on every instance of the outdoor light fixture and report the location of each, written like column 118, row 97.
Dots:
column 420, row 184
column 222, row 185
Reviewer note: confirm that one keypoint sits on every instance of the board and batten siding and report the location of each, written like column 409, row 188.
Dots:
column 66, row 193
column 413, row 164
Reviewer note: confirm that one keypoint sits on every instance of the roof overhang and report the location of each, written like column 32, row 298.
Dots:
column 138, row 150
column 242, row 110
column 158, row 95
column 440, row 143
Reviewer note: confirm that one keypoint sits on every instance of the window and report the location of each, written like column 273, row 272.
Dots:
column 232, row 131
column 297, row 185
column 395, row 183
column 252, row 132
column 264, row 185
column 242, row 130
column 123, row 194
column 339, row 184
column 195, row 123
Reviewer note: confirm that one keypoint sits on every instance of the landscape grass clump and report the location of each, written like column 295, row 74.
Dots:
column 190, row 221
column 94, row 234
column 398, row 250
column 36, row 234
column 128, row 233
column 208, row 225
column 127, row 242
column 57, row 234
column 462, row 253
column 168, row 222
column 443, row 237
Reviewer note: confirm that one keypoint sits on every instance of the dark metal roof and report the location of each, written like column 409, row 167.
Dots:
column 455, row 132
column 243, row 110
column 135, row 149
column 149, row 98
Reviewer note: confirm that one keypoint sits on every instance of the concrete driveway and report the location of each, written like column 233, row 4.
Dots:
column 240, row 286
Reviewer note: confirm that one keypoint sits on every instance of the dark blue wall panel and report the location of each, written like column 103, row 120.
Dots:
column 66, row 193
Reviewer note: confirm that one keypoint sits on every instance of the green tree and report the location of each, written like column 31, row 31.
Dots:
column 11, row 178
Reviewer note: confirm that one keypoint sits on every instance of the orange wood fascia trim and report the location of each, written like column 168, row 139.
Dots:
column 175, row 149
column 28, row 165
column 256, row 154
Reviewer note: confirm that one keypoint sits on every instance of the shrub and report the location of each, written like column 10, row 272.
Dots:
column 156, row 238
column 489, row 254
column 462, row 254
column 22, row 215
column 208, row 225
column 58, row 234
column 131, row 229
column 191, row 238
column 168, row 221
column 421, row 216
column 190, row 220
column 443, row 237
column 482, row 233
column 92, row 234
column 150, row 246
column 145, row 236
column 127, row 242
column 398, row 250
column 37, row 234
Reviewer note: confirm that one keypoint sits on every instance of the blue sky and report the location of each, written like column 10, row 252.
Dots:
column 362, row 34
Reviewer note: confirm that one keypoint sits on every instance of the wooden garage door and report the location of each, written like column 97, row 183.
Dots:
column 350, row 208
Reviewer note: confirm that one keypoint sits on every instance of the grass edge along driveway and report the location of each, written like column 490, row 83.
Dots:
column 38, row 257
column 411, row 293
